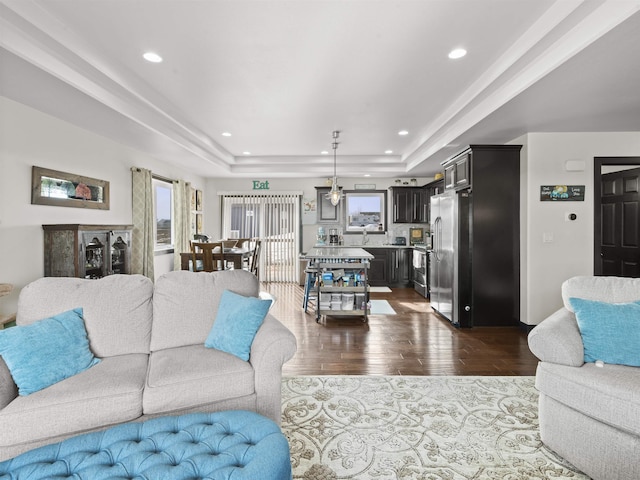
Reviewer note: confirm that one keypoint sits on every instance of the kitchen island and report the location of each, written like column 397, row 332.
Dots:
column 341, row 282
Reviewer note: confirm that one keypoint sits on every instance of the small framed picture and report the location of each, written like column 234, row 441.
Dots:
column 199, row 200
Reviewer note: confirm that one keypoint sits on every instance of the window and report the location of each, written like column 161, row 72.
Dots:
column 365, row 211
column 275, row 220
column 162, row 202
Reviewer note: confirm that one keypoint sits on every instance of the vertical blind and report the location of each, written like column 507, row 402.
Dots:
column 275, row 220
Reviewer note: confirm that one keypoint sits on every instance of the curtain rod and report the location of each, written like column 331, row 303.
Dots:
column 164, row 179
column 154, row 175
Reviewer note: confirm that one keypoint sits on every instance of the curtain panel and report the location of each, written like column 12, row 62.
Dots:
column 182, row 220
column 143, row 241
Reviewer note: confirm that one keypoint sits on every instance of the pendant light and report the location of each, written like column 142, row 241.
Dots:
column 334, row 194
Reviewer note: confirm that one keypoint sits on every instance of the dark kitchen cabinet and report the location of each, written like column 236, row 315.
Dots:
column 86, row 251
column 486, row 268
column 327, row 213
column 390, row 267
column 409, row 205
column 457, row 172
column 431, row 189
column 400, row 263
column 378, row 267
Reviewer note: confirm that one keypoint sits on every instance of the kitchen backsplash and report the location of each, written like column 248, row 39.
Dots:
column 386, row 238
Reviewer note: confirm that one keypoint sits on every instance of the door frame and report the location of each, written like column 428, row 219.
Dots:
column 598, row 163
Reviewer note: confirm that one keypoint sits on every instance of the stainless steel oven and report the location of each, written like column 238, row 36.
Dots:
column 421, row 270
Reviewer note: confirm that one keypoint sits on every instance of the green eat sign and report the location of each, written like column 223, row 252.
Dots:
column 258, row 185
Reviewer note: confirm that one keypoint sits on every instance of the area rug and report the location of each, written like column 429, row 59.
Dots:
column 416, row 428
column 381, row 307
column 379, row 289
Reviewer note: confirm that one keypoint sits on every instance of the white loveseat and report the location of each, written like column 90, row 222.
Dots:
column 589, row 412
column 153, row 360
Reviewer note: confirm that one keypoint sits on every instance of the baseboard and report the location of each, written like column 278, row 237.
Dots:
column 526, row 327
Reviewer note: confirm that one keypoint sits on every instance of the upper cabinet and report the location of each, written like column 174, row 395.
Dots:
column 431, row 189
column 327, row 213
column 457, row 172
column 410, row 205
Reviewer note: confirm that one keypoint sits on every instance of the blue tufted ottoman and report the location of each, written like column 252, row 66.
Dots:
column 235, row 445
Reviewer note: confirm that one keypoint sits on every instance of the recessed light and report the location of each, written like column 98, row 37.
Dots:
column 388, row 152
column 403, row 132
column 367, row 174
column 246, row 153
column 324, row 152
column 152, row 57
column 226, row 134
column 457, row 53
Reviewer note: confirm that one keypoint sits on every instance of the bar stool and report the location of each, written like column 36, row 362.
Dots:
column 309, row 292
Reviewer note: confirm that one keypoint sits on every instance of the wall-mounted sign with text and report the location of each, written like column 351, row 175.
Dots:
column 261, row 185
column 562, row 193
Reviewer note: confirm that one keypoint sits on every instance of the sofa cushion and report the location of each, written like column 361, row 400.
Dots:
column 609, row 394
column 117, row 309
column 603, row 289
column 185, row 304
column 236, row 324
column 47, row 351
column 110, row 392
column 610, row 331
column 208, row 375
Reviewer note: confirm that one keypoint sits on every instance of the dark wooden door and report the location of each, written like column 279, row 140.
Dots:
column 619, row 236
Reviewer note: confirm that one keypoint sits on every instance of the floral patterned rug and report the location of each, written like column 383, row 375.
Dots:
column 416, row 428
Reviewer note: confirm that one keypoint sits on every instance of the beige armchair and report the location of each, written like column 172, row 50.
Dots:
column 589, row 412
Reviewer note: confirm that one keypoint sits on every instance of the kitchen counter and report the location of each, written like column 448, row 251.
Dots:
column 346, row 253
column 365, row 247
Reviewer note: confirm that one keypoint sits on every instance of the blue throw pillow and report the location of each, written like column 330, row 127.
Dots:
column 237, row 323
column 610, row 331
column 47, row 351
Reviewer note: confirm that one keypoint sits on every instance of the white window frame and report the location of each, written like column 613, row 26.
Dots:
column 166, row 184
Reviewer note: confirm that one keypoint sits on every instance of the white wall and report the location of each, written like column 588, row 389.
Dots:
column 29, row 137
column 546, row 265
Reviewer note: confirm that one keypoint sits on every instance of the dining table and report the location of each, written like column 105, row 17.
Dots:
column 236, row 255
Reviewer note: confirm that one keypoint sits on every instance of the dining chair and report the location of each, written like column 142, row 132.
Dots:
column 254, row 262
column 246, row 243
column 243, row 242
column 229, row 243
column 212, row 256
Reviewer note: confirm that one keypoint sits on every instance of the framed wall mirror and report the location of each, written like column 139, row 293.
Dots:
column 365, row 210
column 51, row 187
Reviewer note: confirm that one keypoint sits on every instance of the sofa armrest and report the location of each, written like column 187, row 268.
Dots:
column 8, row 388
column 273, row 345
column 557, row 340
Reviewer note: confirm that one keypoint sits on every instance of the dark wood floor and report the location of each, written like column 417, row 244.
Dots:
column 415, row 341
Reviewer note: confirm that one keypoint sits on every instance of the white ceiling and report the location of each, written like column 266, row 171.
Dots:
column 282, row 75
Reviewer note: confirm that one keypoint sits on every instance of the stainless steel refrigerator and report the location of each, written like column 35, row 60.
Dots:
column 450, row 261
